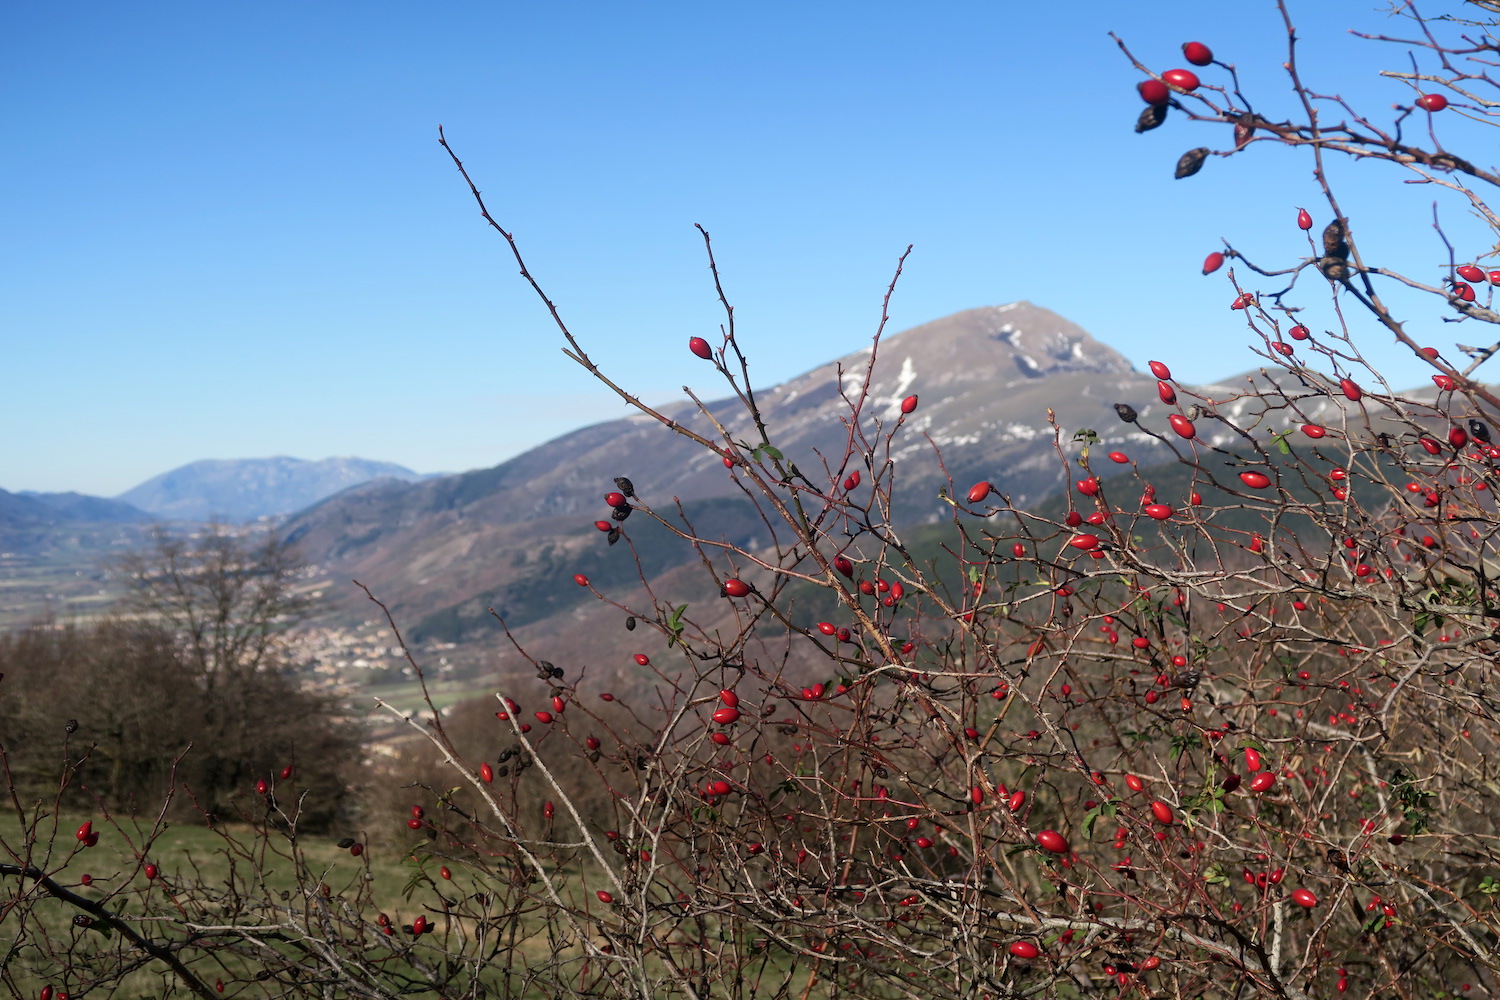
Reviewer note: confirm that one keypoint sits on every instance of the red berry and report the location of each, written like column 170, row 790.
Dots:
column 1119, row 457
column 1051, row 840
column 1162, row 812
column 151, row 872
column 1213, row 262
column 419, row 926
column 1298, row 332
column 844, row 566
column 1458, row 437
column 979, row 491
column 1304, row 898
column 445, row 873
column 604, row 897
column 604, row 525
column 1304, row 220
column 1313, row 430
column 643, row 659
column 1444, row 382
column 1429, row 102
column 1153, row 91
column 700, row 347
column 1166, row 392
column 580, row 579
column 486, row 773
column 1160, row 370
column 1263, row 781
column 1351, row 389
column 1470, row 273
column 1134, row 783
column 827, row 628
column 729, row 698
column 1252, row 759
column 1088, row 487
column 615, row 499
column 976, row 795
column 1197, row 53
column 726, row 715
column 1024, row 949
column 909, row 404
column 1159, row 511
column 262, row 787
column 286, row 773
column 545, row 718
column 736, row 588
column 1255, row 480
column 85, row 831
column 1084, row 542
column 1181, row 79
column 1183, row 426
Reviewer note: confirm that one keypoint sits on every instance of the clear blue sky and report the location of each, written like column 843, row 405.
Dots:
column 229, row 231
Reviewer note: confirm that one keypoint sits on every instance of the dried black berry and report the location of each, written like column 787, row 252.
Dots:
column 625, row 485
column 1126, row 411
column 346, row 843
column 630, row 624
column 620, row 513
column 1477, row 428
column 1151, row 117
column 1191, row 162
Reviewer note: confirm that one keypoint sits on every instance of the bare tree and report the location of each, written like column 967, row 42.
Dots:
column 231, row 598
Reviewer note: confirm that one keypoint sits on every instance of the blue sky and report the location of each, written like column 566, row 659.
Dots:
column 230, row 231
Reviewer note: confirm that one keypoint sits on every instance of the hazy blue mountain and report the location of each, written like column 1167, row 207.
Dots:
column 247, row 488
column 80, row 507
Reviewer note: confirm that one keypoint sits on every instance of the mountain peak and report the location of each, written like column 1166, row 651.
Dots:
column 244, row 489
column 1018, row 340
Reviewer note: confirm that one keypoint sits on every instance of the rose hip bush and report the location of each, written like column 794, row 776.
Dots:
column 1224, row 727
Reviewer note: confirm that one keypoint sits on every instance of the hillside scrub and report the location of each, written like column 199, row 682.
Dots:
column 1220, row 733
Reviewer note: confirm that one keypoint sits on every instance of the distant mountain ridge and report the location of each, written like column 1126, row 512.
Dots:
column 249, row 488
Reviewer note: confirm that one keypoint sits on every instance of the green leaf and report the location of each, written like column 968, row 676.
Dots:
column 675, row 626
column 772, row 451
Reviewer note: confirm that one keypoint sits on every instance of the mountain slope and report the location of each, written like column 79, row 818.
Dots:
column 244, row 489
column 986, row 378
